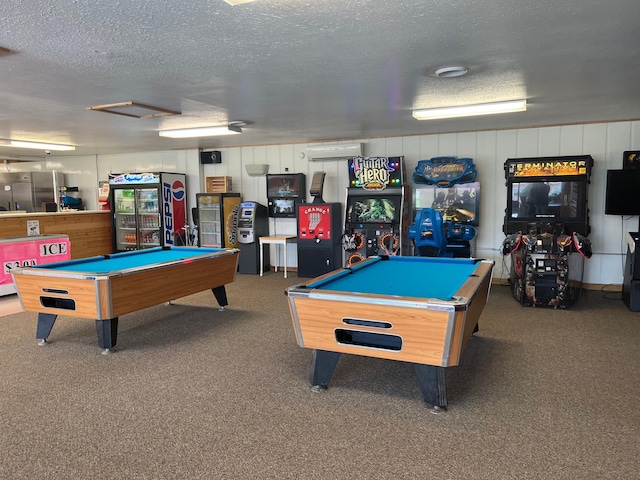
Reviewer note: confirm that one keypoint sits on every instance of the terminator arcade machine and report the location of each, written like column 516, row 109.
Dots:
column 376, row 208
column 253, row 223
column 319, row 233
column 546, row 223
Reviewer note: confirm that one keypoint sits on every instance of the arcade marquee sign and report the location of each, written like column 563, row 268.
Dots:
column 549, row 167
column 375, row 173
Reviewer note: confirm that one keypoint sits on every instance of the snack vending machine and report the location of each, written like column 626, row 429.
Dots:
column 148, row 210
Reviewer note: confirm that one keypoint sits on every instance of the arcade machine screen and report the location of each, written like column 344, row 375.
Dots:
column 377, row 210
column 286, row 185
column 553, row 202
column 458, row 203
column 284, row 206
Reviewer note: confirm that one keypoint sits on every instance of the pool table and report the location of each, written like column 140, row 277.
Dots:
column 105, row 287
column 421, row 310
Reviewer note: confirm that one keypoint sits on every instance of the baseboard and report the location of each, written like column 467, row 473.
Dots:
column 609, row 287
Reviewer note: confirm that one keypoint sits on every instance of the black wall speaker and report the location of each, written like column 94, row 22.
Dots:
column 210, row 157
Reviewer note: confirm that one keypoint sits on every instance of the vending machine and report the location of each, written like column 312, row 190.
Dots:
column 253, row 223
column 148, row 210
column 218, row 219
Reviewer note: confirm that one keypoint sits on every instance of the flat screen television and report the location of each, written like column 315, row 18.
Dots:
column 622, row 195
column 458, row 203
column 558, row 201
column 286, row 185
column 374, row 209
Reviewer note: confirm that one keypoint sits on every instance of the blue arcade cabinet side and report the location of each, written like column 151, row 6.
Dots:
column 446, row 207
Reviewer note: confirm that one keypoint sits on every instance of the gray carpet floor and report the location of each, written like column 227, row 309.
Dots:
column 191, row 392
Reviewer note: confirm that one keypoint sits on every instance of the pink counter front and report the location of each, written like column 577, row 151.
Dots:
column 29, row 251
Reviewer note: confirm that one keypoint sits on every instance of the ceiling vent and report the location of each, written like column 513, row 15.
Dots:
column 333, row 152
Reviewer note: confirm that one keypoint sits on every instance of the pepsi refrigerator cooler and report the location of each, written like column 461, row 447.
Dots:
column 148, row 210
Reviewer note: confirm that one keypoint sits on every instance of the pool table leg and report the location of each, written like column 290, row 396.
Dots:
column 107, row 331
column 45, row 324
column 221, row 296
column 323, row 365
column 433, row 385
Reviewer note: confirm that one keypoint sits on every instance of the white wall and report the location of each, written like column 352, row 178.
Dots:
column 605, row 142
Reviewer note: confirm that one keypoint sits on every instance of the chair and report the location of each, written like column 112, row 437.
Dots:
column 428, row 235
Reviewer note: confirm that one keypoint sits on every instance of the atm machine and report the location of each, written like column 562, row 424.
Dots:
column 253, row 223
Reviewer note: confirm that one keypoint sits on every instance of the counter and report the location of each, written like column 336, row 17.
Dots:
column 89, row 231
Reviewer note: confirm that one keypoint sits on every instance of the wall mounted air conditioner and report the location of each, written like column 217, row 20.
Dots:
column 333, row 152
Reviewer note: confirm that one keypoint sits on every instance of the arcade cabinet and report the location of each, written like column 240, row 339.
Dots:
column 631, row 284
column 377, row 217
column 447, row 185
column 319, row 233
column 546, row 224
column 621, row 198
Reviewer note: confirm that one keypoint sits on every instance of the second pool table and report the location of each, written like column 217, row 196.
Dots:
column 105, row 287
column 415, row 309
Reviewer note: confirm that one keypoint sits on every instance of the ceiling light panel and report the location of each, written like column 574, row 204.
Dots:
column 233, row 3
column 470, row 110
column 36, row 145
column 201, row 132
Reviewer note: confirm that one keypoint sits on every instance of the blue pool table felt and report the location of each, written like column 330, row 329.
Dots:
column 420, row 277
column 126, row 260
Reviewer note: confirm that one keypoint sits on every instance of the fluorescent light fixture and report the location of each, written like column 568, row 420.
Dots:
column 233, row 3
column 37, row 145
column 471, row 110
column 201, row 132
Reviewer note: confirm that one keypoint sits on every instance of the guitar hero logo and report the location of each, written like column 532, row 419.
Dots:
column 372, row 173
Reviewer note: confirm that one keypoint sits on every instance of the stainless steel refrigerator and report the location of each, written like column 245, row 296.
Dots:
column 29, row 191
column 218, row 219
column 148, row 210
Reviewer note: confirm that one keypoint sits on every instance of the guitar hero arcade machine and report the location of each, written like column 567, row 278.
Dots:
column 376, row 208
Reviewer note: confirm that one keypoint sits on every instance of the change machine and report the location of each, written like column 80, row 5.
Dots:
column 253, row 223
column 377, row 216
column 319, row 233
column 546, row 223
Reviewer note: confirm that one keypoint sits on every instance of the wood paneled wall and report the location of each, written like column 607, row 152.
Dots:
column 90, row 232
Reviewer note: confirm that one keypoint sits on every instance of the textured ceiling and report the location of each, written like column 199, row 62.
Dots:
column 304, row 70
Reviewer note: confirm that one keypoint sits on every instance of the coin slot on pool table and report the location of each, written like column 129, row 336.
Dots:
column 56, row 290
column 383, row 341
column 366, row 323
column 54, row 302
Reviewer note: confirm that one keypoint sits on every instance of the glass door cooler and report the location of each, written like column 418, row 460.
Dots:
column 149, row 210
column 148, row 217
column 218, row 219
column 125, row 222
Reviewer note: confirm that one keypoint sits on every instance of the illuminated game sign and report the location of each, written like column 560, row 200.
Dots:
column 375, row 173
column 548, row 167
column 314, row 221
column 445, row 171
